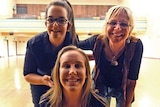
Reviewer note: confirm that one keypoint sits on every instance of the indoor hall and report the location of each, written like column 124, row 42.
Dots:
column 15, row 91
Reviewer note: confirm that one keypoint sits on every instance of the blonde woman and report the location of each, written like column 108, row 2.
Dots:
column 72, row 82
column 117, row 55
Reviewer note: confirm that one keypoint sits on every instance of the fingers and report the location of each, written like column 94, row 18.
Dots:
column 47, row 81
column 50, row 84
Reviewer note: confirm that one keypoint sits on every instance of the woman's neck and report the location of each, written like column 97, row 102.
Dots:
column 116, row 48
column 72, row 100
column 56, row 42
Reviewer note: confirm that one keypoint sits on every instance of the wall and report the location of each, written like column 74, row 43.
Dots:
column 6, row 10
column 74, row 2
column 3, row 47
column 8, row 5
column 7, row 46
column 12, row 45
column 21, row 45
column 89, row 11
column 80, row 11
column 150, row 10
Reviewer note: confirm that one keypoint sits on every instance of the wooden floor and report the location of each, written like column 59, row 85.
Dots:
column 15, row 92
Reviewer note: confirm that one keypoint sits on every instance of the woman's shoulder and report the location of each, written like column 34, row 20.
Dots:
column 137, row 42
column 39, row 39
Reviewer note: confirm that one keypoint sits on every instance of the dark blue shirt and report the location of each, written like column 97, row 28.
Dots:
column 40, row 59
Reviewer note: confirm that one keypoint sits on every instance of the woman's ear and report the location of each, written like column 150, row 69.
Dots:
column 69, row 26
column 45, row 23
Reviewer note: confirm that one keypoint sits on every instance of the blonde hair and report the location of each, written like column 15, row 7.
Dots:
column 115, row 11
column 55, row 93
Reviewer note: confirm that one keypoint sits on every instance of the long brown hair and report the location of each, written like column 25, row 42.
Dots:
column 55, row 94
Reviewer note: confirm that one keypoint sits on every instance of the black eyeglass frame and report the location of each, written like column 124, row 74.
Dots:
column 60, row 21
column 122, row 24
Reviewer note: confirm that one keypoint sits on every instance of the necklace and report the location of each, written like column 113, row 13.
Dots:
column 113, row 56
column 114, row 61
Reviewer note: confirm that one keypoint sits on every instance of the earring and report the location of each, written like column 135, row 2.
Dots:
column 128, row 40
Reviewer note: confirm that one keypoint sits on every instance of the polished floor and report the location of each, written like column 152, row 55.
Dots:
column 15, row 92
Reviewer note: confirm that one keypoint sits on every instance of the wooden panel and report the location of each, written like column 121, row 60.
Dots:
column 35, row 9
column 89, row 11
column 80, row 11
column 74, row 2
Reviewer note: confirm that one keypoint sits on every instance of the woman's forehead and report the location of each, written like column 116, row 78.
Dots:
column 72, row 55
column 57, row 10
column 119, row 14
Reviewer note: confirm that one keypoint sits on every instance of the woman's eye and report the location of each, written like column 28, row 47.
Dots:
column 77, row 66
column 50, row 20
column 113, row 23
column 67, row 66
column 61, row 21
column 124, row 24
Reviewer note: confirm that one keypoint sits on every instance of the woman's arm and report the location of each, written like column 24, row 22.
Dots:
column 130, row 92
column 39, row 80
column 134, row 73
column 30, row 69
column 87, row 44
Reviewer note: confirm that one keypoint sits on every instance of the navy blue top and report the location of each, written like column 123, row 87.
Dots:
column 93, row 103
column 113, row 76
column 40, row 59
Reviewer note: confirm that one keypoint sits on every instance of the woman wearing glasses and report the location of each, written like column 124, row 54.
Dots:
column 117, row 56
column 42, row 50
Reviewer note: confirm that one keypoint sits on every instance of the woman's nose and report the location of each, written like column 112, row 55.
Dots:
column 55, row 23
column 72, row 71
column 117, row 26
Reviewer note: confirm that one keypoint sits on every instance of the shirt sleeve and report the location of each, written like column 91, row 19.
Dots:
column 30, row 65
column 136, row 61
column 87, row 44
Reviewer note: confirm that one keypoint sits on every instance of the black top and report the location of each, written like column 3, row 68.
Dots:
column 113, row 76
column 40, row 59
column 94, row 102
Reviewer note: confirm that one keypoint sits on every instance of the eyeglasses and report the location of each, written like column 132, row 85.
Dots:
column 59, row 21
column 122, row 24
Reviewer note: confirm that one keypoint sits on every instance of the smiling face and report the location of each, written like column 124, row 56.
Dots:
column 55, row 31
column 72, row 71
column 118, row 32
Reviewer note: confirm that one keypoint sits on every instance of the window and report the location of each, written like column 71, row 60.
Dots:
column 21, row 9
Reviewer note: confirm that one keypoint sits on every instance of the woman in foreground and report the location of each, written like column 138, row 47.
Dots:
column 72, row 82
